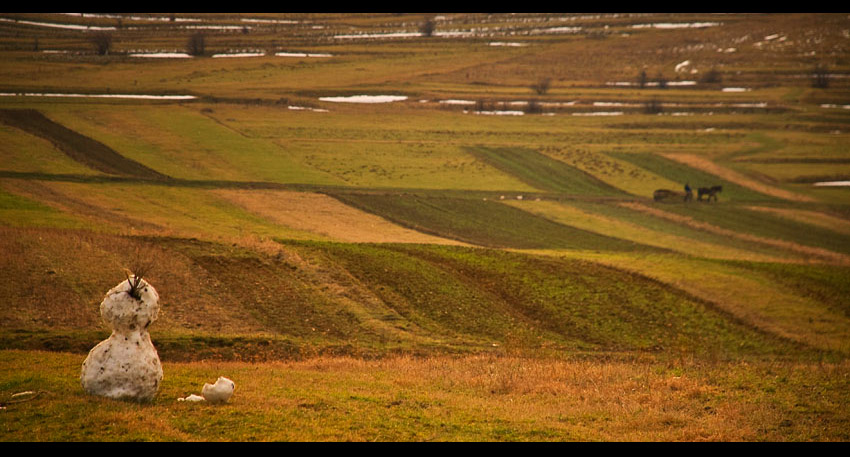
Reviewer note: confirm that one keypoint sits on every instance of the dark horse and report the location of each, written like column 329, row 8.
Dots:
column 710, row 191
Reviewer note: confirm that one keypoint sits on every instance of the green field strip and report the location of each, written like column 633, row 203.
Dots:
column 617, row 222
column 689, row 235
column 20, row 211
column 542, row 172
column 82, row 149
column 481, row 222
column 750, row 293
column 490, row 294
column 749, row 222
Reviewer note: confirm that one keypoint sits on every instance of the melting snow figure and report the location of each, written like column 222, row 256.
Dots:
column 126, row 365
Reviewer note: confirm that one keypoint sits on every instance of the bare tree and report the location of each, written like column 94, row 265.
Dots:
column 196, row 45
column 652, row 106
column 541, row 87
column 712, row 76
column 642, row 79
column 820, row 77
column 427, row 28
column 102, row 42
column 533, row 107
column 662, row 81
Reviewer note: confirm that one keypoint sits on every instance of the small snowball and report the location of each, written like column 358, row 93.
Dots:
column 219, row 392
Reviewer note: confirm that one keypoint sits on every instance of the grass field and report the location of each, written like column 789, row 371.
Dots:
column 478, row 258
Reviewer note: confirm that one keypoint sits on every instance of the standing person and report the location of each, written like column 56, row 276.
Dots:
column 689, row 194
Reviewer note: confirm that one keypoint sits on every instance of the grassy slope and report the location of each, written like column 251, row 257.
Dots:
column 596, row 287
column 440, row 399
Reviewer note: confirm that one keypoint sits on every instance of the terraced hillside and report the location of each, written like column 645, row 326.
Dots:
column 345, row 185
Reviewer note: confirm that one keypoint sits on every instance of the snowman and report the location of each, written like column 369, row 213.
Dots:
column 125, row 365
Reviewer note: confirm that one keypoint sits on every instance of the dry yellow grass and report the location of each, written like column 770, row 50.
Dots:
column 325, row 216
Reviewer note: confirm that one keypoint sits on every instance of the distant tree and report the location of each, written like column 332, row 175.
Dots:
column 820, row 77
column 533, row 107
column 541, row 87
column 652, row 106
column 642, row 79
column 196, row 45
column 712, row 76
column 102, row 42
column 662, row 81
column 427, row 28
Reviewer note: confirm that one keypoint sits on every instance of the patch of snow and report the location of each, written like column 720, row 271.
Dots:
column 365, row 99
column 500, row 113
column 219, row 392
column 614, row 104
column 555, row 30
column 736, row 89
column 162, row 55
column 192, row 398
column 600, row 113
column 301, row 54
column 127, row 96
column 749, row 105
column 304, row 108
column 832, row 184
column 216, row 27
column 59, row 26
column 240, row 54
column 269, row 21
column 457, row 102
column 681, row 66
column 832, row 105
column 509, row 44
column 677, row 25
column 355, row 36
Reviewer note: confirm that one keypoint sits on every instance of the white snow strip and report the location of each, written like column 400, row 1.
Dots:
column 59, row 26
column 365, row 99
column 832, row 184
column 600, row 113
column 305, row 108
column 676, row 25
column 736, row 89
column 500, row 113
column 269, row 21
column 127, row 96
column 379, row 35
column 508, row 44
column 240, row 54
column 301, row 54
column 457, row 102
column 162, row 55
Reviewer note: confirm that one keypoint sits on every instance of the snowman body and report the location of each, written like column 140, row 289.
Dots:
column 125, row 365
